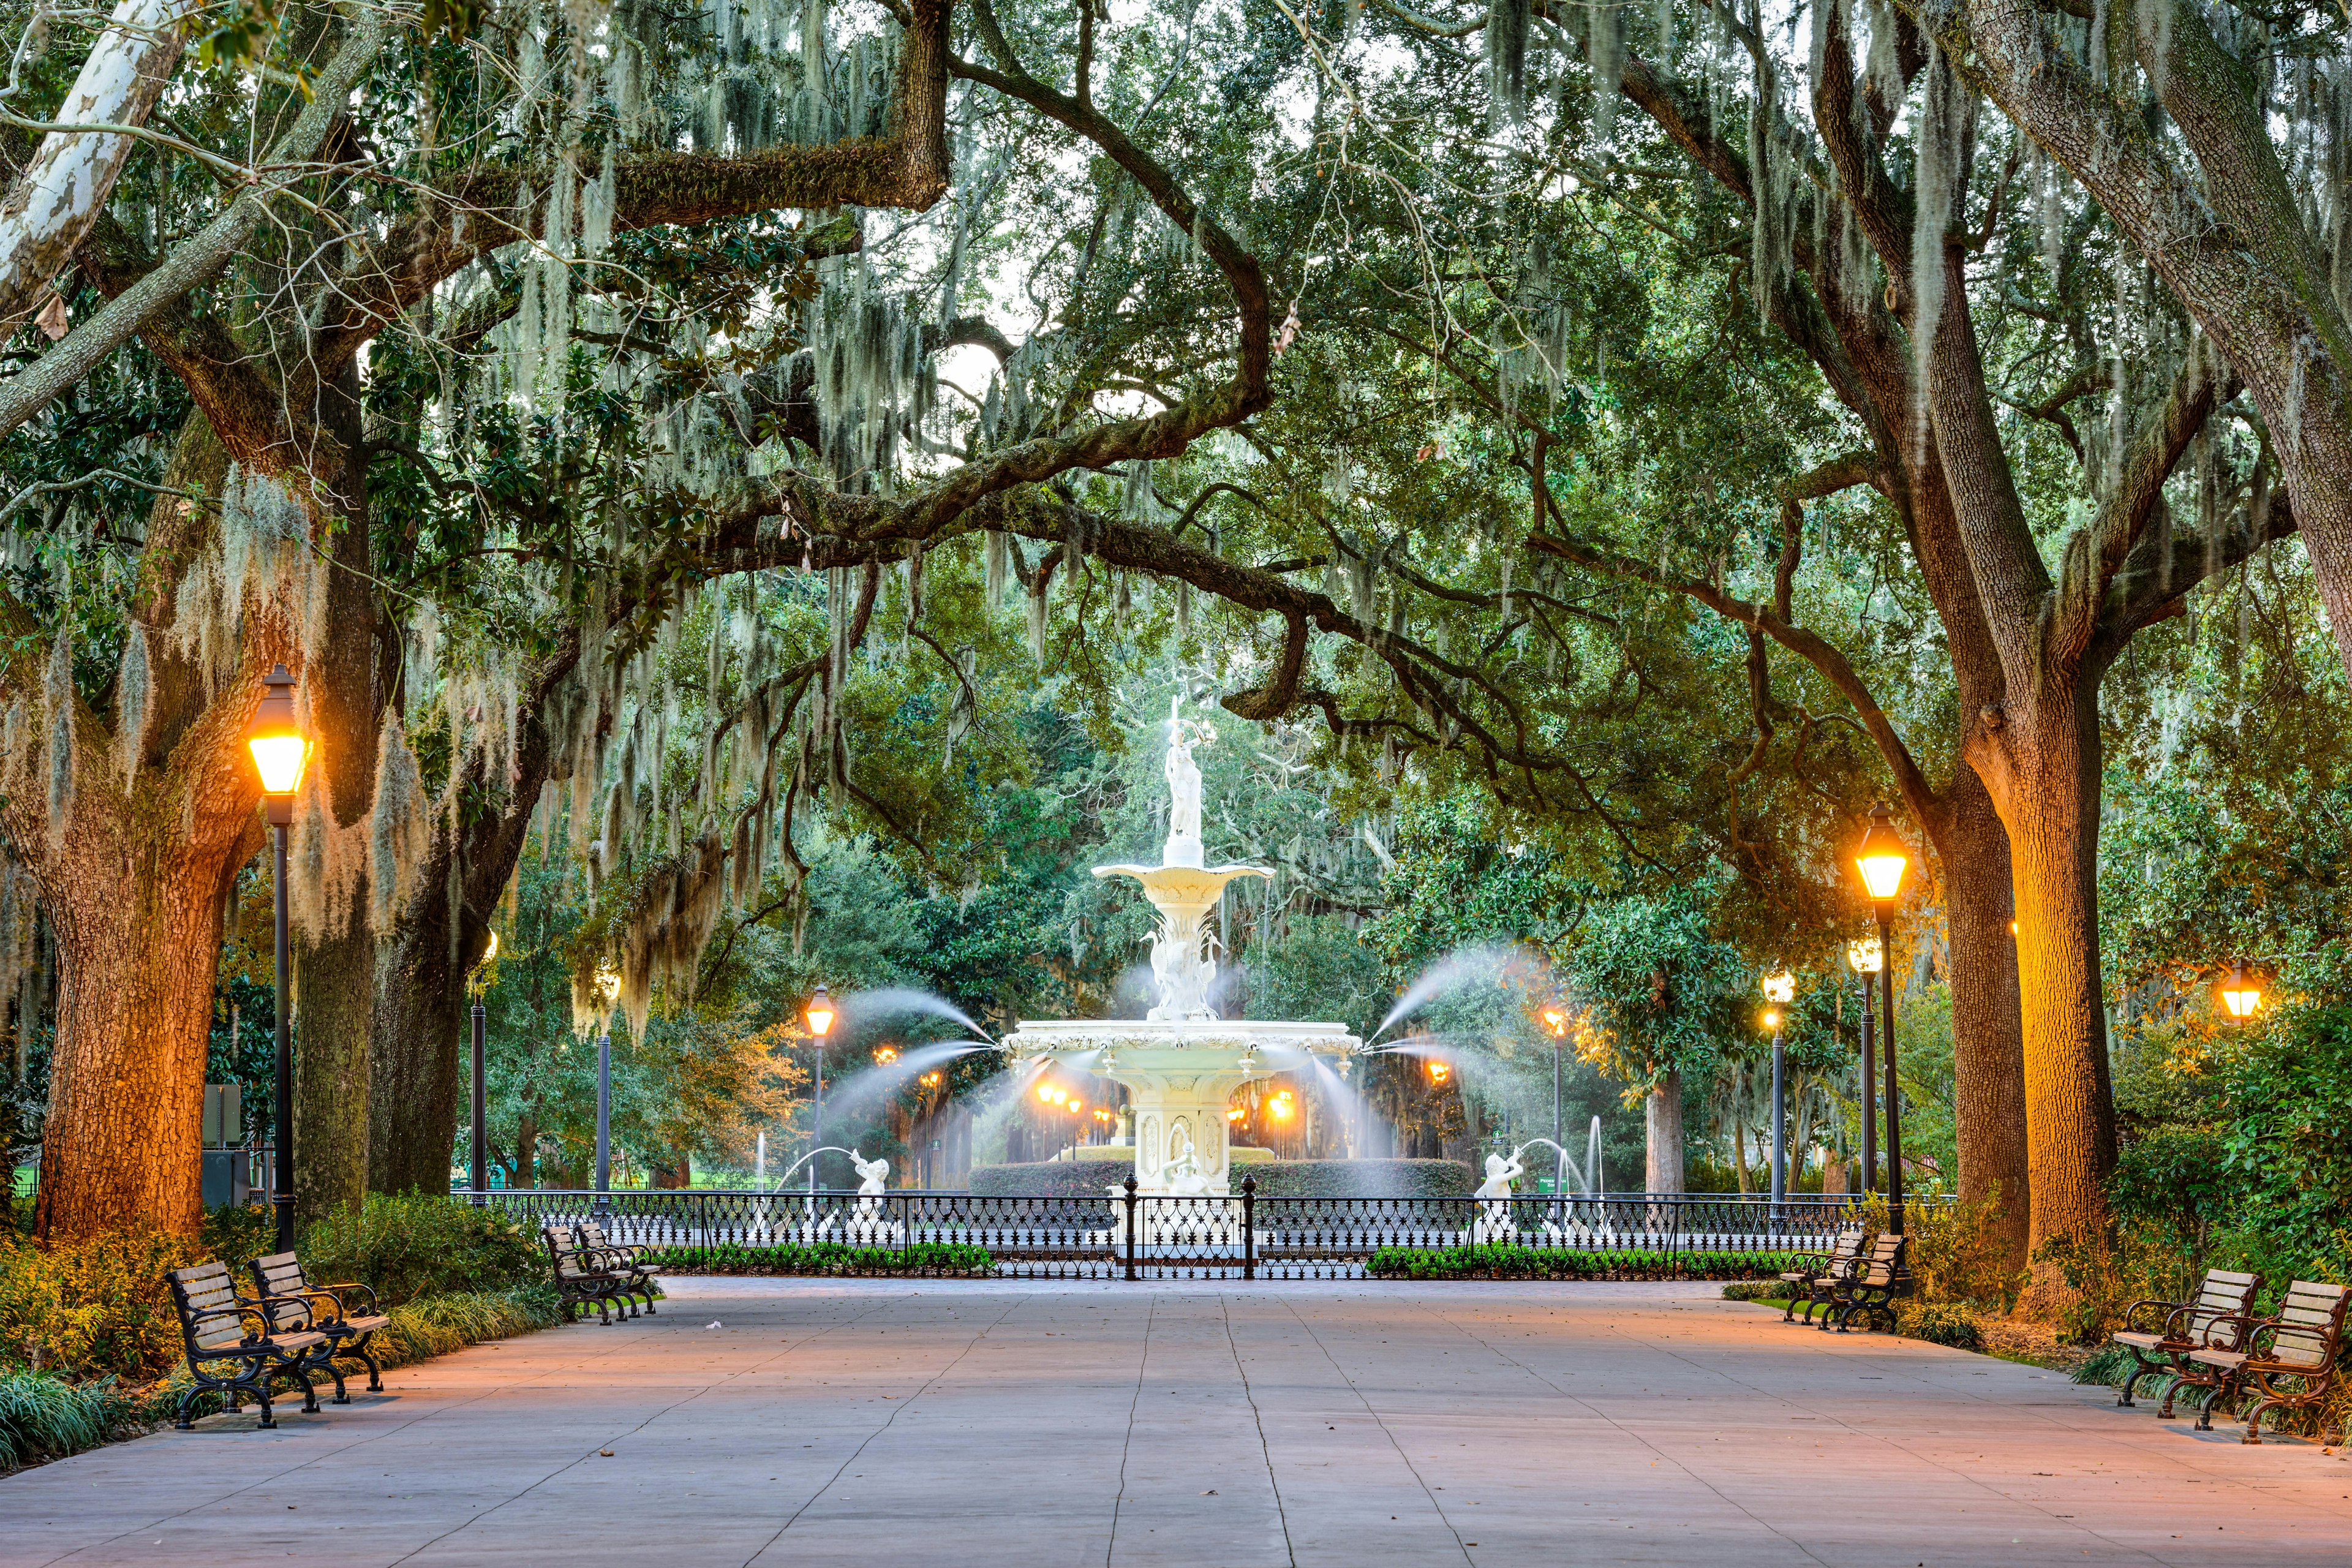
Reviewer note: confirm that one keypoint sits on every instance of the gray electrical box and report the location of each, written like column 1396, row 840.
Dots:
column 228, row 1169
column 224, row 1119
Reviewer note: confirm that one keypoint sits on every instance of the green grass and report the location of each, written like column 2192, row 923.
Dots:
column 43, row 1417
column 826, row 1257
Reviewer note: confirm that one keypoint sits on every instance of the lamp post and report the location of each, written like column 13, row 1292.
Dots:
column 819, row 1016
column 1780, row 989
column 477, row 1165
column 608, row 990
column 1555, row 1018
column 1866, row 958
column 279, row 749
column 2241, row 993
column 1882, row 857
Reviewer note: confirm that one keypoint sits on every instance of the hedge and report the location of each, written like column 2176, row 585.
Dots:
column 1275, row 1179
column 826, row 1257
column 1500, row 1260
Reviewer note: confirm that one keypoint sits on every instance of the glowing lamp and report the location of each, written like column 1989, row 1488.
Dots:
column 273, row 738
column 608, row 984
column 931, row 1079
column 1865, row 956
column 1555, row 1022
column 820, row 1013
column 1882, row 856
column 1771, row 1019
column 1281, row 1106
column 1233, row 1113
column 1780, row 987
column 1045, row 1094
column 2241, row 993
column 885, row 1054
column 1439, row 1071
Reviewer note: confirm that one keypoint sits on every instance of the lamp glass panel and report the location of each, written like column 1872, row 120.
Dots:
column 1883, row 873
column 279, row 760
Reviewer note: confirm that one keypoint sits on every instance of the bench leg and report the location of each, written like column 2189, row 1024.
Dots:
column 376, row 1373
column 2205, row 1410
column 187, row 1401
column 2140, row 1369
column 261, row 1392
column 2254, row 1421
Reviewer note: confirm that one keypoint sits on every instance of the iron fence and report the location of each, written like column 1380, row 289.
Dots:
column 1135, row 1237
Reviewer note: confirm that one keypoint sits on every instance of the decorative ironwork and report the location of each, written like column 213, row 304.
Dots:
column 1134, row 1236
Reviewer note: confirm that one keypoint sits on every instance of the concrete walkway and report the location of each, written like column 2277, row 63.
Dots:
column 1213, row 1425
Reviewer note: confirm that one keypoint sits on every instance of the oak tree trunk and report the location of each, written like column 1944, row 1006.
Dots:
column 1988, row 1039
column 1663, row 1118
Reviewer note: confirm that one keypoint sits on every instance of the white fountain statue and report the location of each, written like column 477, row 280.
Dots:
column 1181, row 1063
column 1494, row 1222
column 872, row 1224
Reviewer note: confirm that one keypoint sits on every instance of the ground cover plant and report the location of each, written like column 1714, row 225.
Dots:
column 826, row 1257
column 1504, row 1260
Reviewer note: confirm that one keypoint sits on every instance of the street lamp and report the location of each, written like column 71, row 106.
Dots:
column 1555, row 1022
column 1866, row 958
column 608, row 991
column 1882, row 857
column 2241, row 993
column 1779, row 988
column 477, row 1167
column 819, row 1016
column 279, row 749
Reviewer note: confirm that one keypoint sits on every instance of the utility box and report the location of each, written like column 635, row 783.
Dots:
column 227, row 1168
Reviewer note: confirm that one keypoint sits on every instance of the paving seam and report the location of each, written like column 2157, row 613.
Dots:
column 970, row 1345
column 1619, row 1425
column 1142, row 1365
column 1378, row 1420
column 1225, row 1312
column 684, row 1399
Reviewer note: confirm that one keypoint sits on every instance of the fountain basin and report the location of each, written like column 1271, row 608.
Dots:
column 1179, row 1073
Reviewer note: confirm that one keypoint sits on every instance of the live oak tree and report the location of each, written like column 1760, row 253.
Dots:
column 128, row 802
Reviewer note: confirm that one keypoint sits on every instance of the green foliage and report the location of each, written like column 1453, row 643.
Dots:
column 93, row 1307
column 1940, row 1322
column 1275, row 1178
column 44, row 1417
column 237, row 1235
column 1752, row 1289
column 1050, row 1179
column 926, row 1257
column 413, row 1244
column 1501, row 1260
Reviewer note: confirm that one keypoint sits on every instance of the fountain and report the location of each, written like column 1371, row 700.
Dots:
column 1181, row 1063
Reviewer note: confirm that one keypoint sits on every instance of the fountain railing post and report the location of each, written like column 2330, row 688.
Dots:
column 1249, row 1227
column 1131, row 1225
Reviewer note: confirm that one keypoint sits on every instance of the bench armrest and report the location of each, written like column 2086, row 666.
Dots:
column 261, row 1304
column 2169, row 1312
column 2244, row 1325
column 342, row 1291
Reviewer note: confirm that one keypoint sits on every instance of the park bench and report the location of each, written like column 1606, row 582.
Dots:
column 580, row 1278
column 1868, row 1291
column 278, row 1279
column 627, row 1259
column 1814, row 1271
column 222, row 1329
column 2299, row 1345
column 2160, row 1335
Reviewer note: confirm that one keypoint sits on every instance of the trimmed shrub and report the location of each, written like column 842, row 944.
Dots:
column 1500, row 1260
column 418, row 1244
column 1050, row 1179
column 1753, row 1291
column 1275, row 1179
column 1941, row 1323
column 1363, row 1179
column 826, row 1257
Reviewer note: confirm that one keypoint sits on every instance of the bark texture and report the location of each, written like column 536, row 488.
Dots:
column 1662, row 1116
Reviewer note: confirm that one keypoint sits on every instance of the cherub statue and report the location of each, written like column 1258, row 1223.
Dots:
column 1495, row 1221
column 874, row 1176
